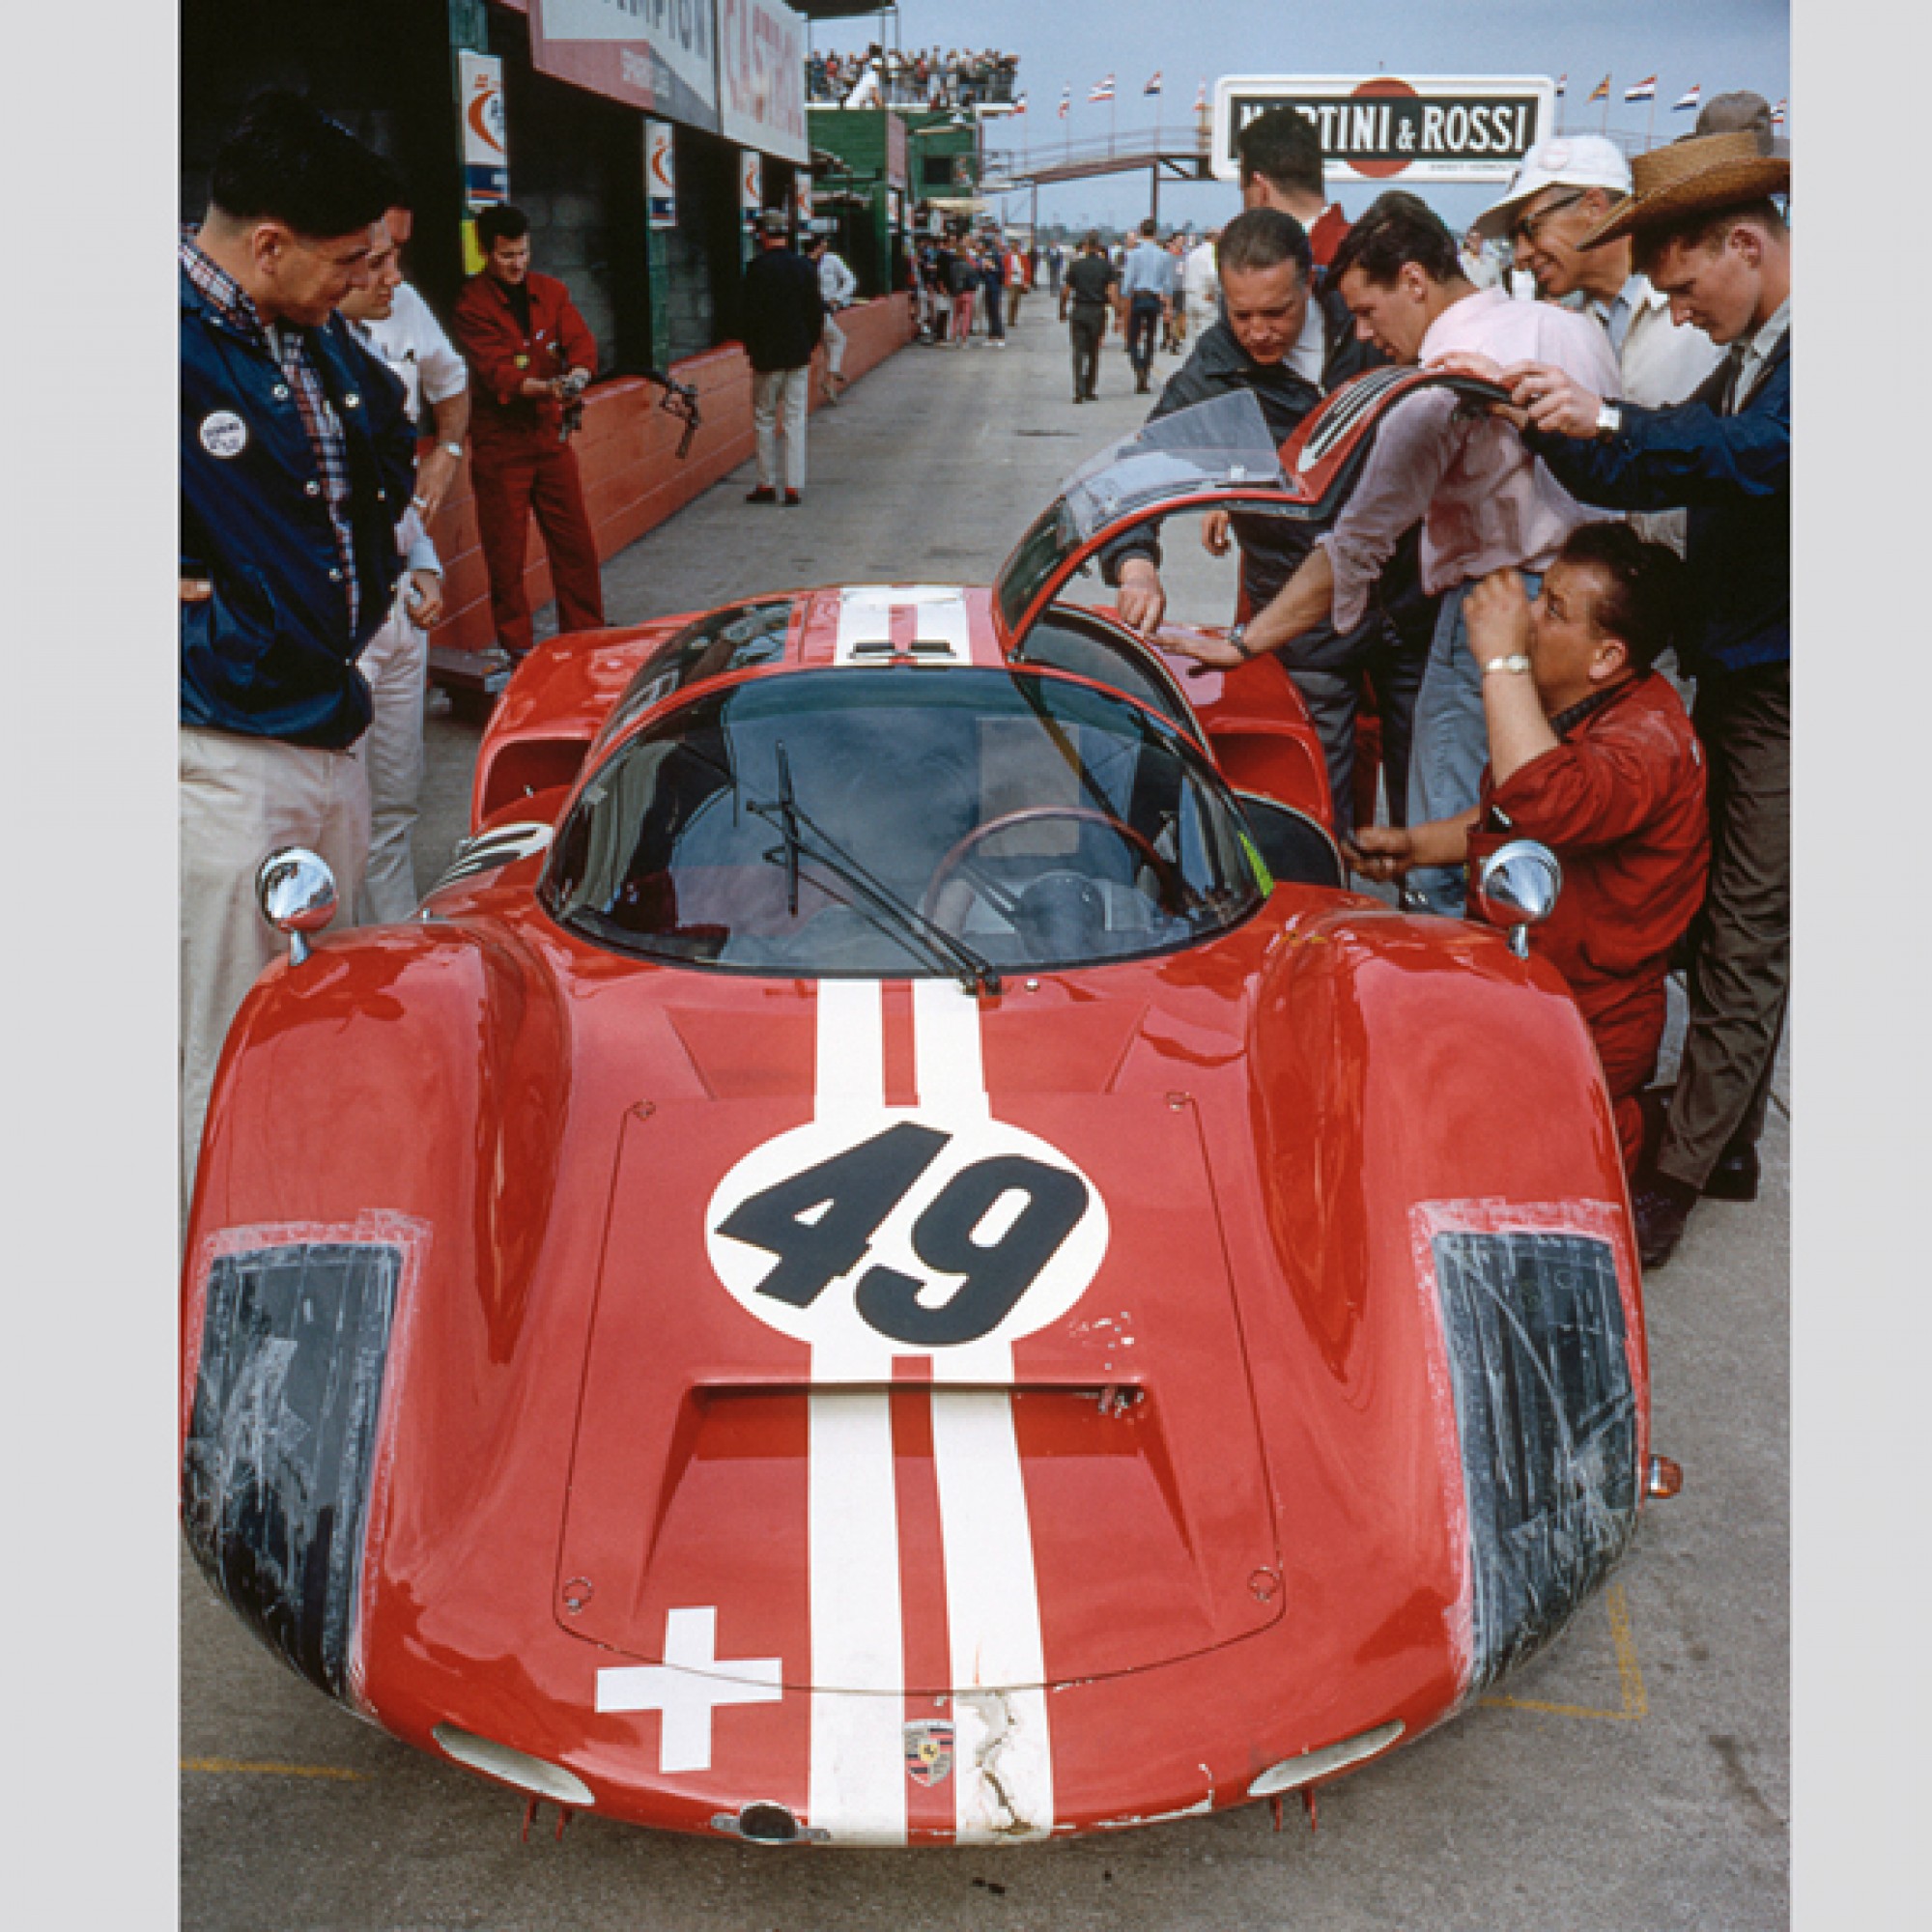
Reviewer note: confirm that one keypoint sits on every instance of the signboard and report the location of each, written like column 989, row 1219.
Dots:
column 761, row 77
column 1376, row 127
column 660, row 175
column 486, row 148
column 660, row 55
column 898, row 162
column 801, row 195
column 751, row 181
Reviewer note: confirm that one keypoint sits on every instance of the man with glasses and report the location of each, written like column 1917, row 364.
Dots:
column 1566, row 187
column 297, row 464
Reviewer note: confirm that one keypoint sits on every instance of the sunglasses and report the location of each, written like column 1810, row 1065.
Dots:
column 1525, row 231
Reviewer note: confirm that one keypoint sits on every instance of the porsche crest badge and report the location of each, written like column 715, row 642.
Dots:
column 928, row 1751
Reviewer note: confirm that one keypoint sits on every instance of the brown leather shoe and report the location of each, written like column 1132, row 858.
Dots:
column 1735, row 1177
column 761, row 494
column 793, row 497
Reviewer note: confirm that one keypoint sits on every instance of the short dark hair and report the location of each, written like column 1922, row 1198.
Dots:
column 1702, row 230
column 286, row 160
column 1090, row 240
column 1397, row 228
column 1149, row 227
column 1263, row 237
column 1284, row 147
column 504, row 222
column 1637, row 601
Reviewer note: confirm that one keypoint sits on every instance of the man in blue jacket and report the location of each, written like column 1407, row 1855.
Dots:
column 1710, row 238
column 297, row 463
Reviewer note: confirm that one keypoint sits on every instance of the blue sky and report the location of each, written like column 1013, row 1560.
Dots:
column 1719, row 43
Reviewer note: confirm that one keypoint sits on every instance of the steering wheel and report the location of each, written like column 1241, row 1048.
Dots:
column 1006, row 902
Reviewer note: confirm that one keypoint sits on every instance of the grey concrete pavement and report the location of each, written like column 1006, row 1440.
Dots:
column 1634, row 1779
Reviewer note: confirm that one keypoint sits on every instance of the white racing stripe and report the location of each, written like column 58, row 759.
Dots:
column 858, row 1783
column 866, row 619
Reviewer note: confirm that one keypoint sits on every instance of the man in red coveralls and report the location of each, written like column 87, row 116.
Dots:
column 530, row 353
column 1591, row 752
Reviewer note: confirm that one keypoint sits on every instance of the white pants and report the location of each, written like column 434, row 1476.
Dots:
column 834, row 348
column 241, row 798
column 778, row 398
column 395, row 661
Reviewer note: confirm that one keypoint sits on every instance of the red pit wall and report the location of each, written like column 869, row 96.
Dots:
column 627, row 450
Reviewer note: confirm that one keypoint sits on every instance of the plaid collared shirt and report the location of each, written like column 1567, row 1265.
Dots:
column 289, row 347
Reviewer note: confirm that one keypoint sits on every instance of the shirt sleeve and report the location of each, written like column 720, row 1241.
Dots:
column 1596, row 788
column 1411, row 450
column 443, row 372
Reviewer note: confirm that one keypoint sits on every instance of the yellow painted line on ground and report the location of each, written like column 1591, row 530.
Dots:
column 1630, row 1679
column 262, row 1768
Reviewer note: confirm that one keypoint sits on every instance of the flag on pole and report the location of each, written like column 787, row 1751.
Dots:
column 1019, row 103
column 1644, row 90
column 1201, row 97
column 1066, row 100
column 1105, row 90
column 1601, row 92
column 1688, row 103
column 1562, row 82
column 1777, row 115
column 1152, row 86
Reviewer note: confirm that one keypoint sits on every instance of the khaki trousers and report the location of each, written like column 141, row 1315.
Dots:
column 241, row 798
column 778, row 400
column 395, row 662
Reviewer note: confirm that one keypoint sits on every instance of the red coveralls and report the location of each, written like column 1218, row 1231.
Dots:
column 1621, row 803
column 516, row 462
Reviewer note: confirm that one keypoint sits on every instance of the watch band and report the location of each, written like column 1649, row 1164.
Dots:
column 1515, row 662
column 1238, row 635
column 1609, row 420
column 454, row 449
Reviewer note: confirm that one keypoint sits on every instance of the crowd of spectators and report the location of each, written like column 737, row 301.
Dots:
column 927, row 77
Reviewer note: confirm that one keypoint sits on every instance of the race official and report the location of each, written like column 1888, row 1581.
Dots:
column 527, row 346
column 1591, row 754
column 1484, row 502
column 297, row 463
column 1710, row 237
column 391, row 318
column 1086, row 303
column 783, row 316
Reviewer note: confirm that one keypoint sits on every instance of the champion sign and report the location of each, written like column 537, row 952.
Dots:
column 1380, row 128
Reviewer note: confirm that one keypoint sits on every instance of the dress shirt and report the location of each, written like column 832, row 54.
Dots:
column 1757, row 353
column 423, row 357
column 1149, row 271
column 1486, row 503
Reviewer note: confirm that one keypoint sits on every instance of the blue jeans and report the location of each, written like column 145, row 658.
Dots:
column 1450, row 747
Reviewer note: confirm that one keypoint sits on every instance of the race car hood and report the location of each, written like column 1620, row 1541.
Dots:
column 943, row 1374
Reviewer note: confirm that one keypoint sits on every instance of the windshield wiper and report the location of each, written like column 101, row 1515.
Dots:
column 974, row 971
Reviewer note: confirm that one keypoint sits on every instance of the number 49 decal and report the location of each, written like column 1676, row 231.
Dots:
column 920, row 1236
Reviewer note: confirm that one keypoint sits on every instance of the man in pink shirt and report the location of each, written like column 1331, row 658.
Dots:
column 1486, row 503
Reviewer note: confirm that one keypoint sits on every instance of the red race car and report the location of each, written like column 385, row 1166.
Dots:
column 892, row 1259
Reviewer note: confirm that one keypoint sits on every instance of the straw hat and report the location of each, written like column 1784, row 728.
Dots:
column 1689, row 178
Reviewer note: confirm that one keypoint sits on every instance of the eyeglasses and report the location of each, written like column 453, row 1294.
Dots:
column 1524, row 233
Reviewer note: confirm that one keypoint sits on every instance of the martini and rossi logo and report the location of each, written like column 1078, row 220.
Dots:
column 923, row 1234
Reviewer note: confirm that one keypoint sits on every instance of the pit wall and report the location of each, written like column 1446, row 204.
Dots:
column 627, row 452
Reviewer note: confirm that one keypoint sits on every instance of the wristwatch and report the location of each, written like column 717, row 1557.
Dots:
column 454, row 449
column 1238, row 635
column 1516, row 663
column 1609, row 420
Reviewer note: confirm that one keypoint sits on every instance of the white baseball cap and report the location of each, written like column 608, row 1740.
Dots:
column 1569, row 161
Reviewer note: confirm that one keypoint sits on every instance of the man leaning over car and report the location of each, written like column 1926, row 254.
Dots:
column 1591, row 754
column 297, row 461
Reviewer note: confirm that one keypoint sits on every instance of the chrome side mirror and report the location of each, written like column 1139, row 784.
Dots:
column 1517, row 886
column 297, row 892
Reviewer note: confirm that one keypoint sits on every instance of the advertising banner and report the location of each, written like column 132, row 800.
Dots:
column 660, row 55
column 660, row 175
column 1376, row 127
column 486, row 146
column 751, row 181
column 761, row 77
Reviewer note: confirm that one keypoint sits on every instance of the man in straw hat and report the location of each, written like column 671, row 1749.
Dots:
column 1713, row 241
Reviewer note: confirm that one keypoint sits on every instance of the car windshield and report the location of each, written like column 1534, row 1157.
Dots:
column 909, row 822
column 1214, row 446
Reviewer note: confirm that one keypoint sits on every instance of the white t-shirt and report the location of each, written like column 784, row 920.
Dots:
column 411, row 342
